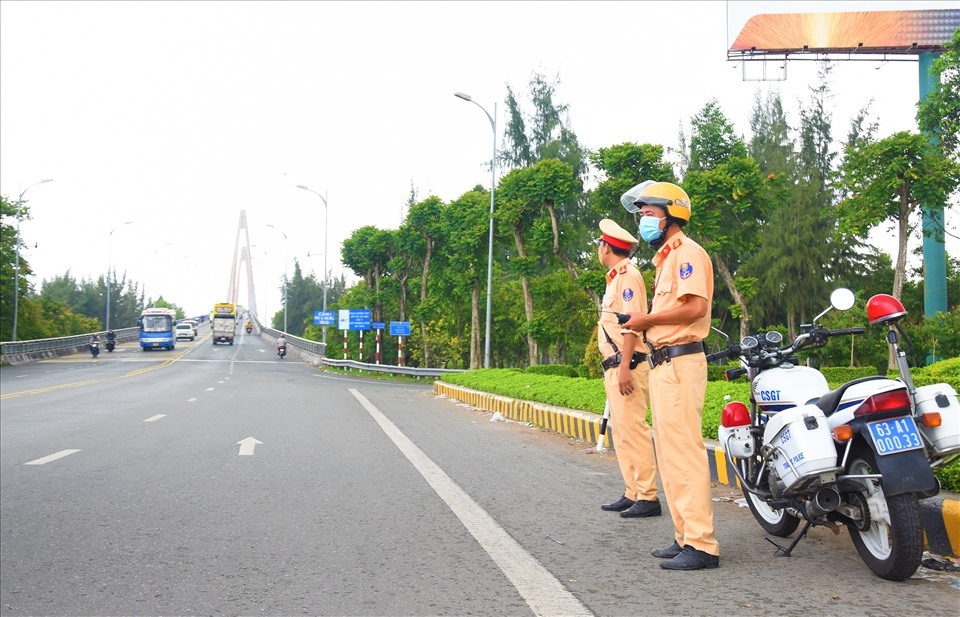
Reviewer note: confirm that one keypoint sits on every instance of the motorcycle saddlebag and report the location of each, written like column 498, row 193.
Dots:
column 803, row 444
column 940, row 397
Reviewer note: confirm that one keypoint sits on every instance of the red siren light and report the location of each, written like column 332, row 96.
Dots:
column 734, row 414
column 884, row 308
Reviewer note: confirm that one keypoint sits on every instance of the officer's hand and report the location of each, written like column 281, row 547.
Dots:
column 638, row 321
column 626, row 380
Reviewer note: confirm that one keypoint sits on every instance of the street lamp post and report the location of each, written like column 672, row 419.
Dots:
column 493, row 183
column 284, row 277
column 16, row 263
column 326, row 213
column 109, row 238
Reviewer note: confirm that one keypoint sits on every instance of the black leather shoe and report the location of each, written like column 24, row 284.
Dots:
column 667, row 553
column 619, row 505
column 691, row 559
column 642, row 508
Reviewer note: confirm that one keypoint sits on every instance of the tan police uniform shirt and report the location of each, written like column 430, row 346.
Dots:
column 683, row 268
column 626, row 293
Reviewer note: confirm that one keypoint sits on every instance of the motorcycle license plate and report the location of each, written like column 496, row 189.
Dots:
column 896, row 435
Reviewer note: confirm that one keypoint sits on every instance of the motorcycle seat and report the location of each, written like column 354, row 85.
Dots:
column 829, row 402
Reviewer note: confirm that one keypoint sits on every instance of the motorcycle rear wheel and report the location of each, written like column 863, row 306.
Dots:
column 892, row 543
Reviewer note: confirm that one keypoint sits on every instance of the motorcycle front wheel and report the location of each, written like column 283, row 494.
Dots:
column 776, row 522
column 890, row 539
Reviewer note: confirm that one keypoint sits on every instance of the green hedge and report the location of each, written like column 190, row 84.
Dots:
column 587, row 394
column 561, row 370
column 945, row 371
column 839, row 375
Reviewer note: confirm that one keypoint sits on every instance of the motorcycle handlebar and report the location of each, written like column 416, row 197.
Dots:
column 846, row 331
column 733, row 350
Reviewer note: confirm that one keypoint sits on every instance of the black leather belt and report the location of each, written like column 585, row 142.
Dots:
column 615, row 360
column 663, row 354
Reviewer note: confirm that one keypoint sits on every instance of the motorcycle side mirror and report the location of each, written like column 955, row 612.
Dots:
column 721, row 333
column 842, row 299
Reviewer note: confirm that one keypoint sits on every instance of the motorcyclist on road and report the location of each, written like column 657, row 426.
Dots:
column 111, row 336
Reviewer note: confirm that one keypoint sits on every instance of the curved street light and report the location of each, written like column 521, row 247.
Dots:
column 326, row 212
column 109, row 238
column 284, row 276
column 493, row 182
column 16, row 263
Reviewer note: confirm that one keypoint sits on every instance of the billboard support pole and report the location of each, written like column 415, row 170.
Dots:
column 934, row 249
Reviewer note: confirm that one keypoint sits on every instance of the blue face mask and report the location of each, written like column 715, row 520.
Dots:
column 649, row 229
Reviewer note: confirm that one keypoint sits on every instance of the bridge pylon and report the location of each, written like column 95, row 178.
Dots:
column 241, row 250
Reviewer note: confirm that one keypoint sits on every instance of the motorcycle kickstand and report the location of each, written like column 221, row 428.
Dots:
column 785, row 552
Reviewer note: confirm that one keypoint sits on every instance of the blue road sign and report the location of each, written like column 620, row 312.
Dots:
column 354, row 319
column 324, row 318
column 378, row 325
column 399, row 328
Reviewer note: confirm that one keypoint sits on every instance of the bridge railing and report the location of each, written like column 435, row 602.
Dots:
column 315, row 352
column 17, row 352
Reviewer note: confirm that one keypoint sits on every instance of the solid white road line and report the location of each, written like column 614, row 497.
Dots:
column 541, row 590
column 156, row 417
column 52, row 457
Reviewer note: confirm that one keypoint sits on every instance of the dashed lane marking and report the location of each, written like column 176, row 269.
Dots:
column 52, row 457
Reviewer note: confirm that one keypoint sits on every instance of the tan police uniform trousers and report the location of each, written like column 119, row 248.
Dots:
column 677, row 390
column 631, row 433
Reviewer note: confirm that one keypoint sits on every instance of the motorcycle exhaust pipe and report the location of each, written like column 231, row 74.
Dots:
column 825, row 500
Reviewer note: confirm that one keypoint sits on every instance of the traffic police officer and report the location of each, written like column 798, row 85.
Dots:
column 674, row 328
column 625, row 375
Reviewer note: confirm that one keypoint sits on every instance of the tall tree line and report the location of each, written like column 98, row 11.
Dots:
column 776, row 213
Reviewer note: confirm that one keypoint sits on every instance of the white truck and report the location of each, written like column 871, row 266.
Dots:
column 224, row 322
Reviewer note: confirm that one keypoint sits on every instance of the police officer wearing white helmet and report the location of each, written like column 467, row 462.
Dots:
column 674, row 330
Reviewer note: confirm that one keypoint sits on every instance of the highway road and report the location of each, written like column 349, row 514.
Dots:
column 221, row 480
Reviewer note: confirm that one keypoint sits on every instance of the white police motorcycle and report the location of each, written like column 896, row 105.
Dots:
column 853, row 456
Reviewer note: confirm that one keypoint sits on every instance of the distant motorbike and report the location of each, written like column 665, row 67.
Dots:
column 282, row 351
column 110, row 345
column 95, row 349
column 249, row 328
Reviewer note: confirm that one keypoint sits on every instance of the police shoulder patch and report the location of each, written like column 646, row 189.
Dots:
column 627, row 294
column 686, row 270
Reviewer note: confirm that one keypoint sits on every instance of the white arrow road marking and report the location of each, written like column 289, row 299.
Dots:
column 52, row 457
column 544, row 594
column 247, row 445
column 156, row 417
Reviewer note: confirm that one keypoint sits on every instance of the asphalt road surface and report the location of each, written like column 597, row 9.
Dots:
column 221, row 480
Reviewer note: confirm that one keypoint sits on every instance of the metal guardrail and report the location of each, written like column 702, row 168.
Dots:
column 318, row 350
column 393, row 370
column 305, row 345
column 9, row 348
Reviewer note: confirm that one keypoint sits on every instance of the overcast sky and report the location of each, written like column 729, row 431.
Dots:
column 178, row 115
